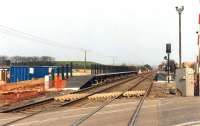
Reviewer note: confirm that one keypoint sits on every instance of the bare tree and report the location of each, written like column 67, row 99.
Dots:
column 3, row 60
column 32, row 60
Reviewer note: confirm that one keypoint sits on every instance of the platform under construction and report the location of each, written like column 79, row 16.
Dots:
column 81, row 82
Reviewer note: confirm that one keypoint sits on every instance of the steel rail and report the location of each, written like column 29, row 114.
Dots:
column 84, row 118
column 98, row 91
column 134, row 116
column 50, row 99
column 72, row 102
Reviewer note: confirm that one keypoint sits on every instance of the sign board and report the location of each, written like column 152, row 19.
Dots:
column 31, row 70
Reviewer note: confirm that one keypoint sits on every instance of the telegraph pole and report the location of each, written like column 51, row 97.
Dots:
column 85, row 60
column 113, row 60
column 180, row 10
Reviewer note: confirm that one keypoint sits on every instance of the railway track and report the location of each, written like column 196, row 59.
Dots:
column 136, row 112
column 54, row 105
column 50, row 100
column 98, row 90
column 119, row 88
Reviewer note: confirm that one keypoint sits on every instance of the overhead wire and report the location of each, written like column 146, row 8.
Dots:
column 44, row 41
column 24, row 35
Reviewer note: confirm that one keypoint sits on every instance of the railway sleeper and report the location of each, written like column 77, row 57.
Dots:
column 100, row 96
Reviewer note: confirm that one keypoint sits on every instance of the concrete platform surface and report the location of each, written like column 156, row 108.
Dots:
column 77, row 82
column 177, row 111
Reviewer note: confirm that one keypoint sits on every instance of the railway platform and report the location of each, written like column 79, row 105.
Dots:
column 80, row 82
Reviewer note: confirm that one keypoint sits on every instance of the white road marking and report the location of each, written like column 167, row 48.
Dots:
column 192, row 123
column 8, row 118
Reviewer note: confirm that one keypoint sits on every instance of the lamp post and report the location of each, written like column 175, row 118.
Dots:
column 180, row 10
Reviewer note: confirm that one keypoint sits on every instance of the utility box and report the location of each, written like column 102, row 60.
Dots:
column 185, row 81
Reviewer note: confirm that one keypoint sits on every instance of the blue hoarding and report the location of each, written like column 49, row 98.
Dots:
column 19, row 73
column 22, row 73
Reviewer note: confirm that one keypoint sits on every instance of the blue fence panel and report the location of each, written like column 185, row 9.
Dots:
column 19, row 73
column 22, row 73
column 40, row 72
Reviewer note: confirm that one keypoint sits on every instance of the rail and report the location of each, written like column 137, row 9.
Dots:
column 133, row 119
column 74, row 101
column 84, row 118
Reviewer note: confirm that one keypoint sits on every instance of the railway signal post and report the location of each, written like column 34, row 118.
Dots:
column 168, row 51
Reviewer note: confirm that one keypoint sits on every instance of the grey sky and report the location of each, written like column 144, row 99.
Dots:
column 133, row 30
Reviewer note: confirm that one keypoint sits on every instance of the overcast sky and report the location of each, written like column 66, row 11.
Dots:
column 134, row 31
